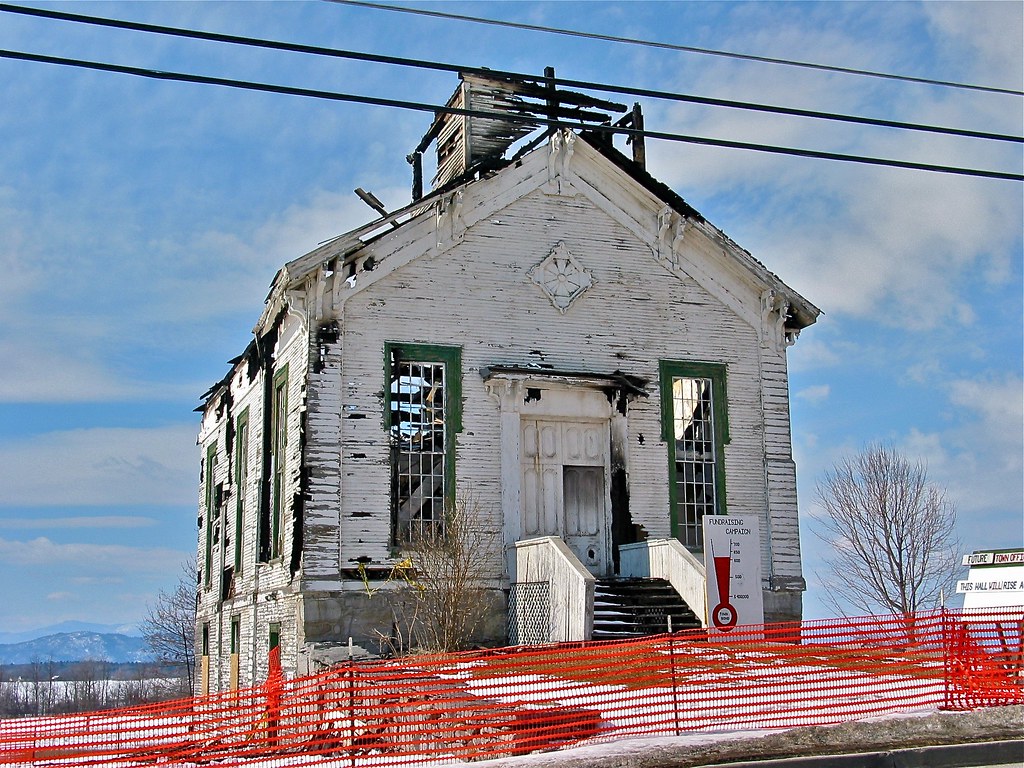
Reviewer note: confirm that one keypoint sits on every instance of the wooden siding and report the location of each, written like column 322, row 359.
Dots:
column 323, row 524
column 459, row 274
column 478, row 295
column 262, row 592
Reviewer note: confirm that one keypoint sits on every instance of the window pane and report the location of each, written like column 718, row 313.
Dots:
column 694, row 432
column 418, row 447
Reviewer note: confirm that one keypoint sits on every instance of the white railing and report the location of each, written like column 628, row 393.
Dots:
column 670, row 560
column 571, row 586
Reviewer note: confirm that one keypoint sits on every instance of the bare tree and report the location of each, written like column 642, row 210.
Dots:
column 169, row 628
column 438, row 597
column 452, row 564
column 891, row 532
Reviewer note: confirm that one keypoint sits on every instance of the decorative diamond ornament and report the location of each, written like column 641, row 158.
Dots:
column 562, row 277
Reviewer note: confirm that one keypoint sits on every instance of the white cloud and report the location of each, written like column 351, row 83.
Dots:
column 58, row 582
column 1000, row 404
column 84, row 521
column 898, row 247
column 91, row 343
column 101, row 466
column 812, row 352
column 90, row 580
column 990, row 40
column 94, row 560
column 815, row 394
column 37, row 370
column 980, row 458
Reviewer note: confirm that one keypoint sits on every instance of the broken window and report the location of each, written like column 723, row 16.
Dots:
column 241, row 482
column 696, row 429
column 279, row 437
column 212, row 505
column 423, row 416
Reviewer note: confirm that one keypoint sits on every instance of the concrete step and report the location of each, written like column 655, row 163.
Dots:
column 625, row 608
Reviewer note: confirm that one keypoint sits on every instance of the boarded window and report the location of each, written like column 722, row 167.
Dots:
column 204, row 659
column 694, row 419
column 423, row 415
column 236, row 644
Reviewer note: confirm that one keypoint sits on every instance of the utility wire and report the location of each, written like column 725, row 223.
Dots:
column 673, row 47
column 530, row 119
column 421, row 64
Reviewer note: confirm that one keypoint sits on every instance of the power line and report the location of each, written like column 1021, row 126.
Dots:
column 532, row 119
column 421, row 64
column 674, row 47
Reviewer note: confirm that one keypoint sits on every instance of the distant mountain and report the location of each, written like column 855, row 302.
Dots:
column 76, row 646
column 7, row 638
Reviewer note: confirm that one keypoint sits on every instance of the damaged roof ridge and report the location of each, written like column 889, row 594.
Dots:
column 675, row 201
column 287, row 276
column 804, row 312
column 329, row 249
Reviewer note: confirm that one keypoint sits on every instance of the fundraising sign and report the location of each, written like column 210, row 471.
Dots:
column 732, row 560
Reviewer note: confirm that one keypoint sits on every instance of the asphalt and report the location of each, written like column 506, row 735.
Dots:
column 987, row 754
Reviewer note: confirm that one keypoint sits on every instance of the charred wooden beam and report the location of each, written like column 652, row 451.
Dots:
column 416, row 161
column 637, row 139
column 371, row 200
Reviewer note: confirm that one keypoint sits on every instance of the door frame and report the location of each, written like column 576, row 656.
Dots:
column 600, row 563
column 541, row 393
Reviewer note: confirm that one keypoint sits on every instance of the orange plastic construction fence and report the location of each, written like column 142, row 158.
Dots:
column 470, row 706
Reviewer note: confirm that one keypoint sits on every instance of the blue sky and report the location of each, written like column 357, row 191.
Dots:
column 141, row 223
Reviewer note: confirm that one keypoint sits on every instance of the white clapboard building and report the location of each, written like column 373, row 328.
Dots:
column 549, row 331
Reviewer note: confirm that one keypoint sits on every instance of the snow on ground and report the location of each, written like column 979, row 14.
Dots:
column 727, row 697
column 917, row 728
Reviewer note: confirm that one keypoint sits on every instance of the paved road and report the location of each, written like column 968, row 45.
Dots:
column 995, row 754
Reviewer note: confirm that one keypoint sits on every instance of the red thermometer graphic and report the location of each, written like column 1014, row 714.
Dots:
column 724, row 615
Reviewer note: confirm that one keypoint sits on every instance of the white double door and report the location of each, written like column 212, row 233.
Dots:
column 564, row 488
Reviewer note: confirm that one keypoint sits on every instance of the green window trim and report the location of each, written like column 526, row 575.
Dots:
column 241, row 481
column 211, row 502
column 451, row 358
column 279, row 436
column 669, row 371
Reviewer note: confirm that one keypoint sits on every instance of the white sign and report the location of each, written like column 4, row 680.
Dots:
column 732, row 561
column 990, row 585
column 978, row 558
column 994, row 558
column 996, row 579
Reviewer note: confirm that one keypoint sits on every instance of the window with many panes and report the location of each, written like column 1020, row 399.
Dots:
column 695, row 426
column 422, row 417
